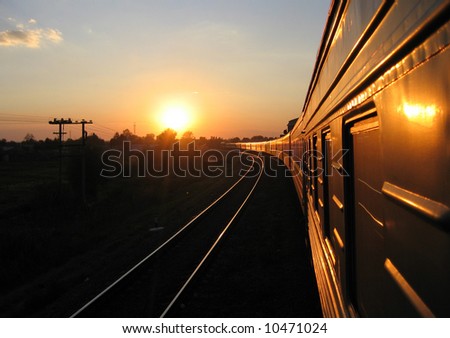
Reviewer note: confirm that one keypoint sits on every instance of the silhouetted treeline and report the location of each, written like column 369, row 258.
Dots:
column 28, row 149
column 33, row 149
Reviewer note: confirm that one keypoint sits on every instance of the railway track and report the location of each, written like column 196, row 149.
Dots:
column 153, row 286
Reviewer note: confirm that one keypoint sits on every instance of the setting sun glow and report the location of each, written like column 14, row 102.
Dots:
column 176, row 117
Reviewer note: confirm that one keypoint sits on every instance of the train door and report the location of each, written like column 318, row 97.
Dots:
column 290, row 152
column 336, row 240
column 322, row 182
column 301, row 158
column 308, row 165
column 367, row 233
column 314, row 172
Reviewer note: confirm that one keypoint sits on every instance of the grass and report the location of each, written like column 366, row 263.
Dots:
column 19, row 180
column 42, row 230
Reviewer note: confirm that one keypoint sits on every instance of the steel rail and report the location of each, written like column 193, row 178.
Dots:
column 188, row 281
column 146, row 258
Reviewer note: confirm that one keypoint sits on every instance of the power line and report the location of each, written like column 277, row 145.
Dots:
column 99, row 125
column 20, row 118
column 105, row 134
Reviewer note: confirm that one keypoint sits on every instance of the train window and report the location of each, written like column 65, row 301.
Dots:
column 366, row 214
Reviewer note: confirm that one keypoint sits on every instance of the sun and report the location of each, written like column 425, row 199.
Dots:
column 176, row 118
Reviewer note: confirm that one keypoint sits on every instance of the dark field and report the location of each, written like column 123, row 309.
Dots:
column 54, row 248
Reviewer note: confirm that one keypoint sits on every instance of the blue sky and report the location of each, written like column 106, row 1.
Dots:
column 241, row 68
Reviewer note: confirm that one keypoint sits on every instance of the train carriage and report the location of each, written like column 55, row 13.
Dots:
column 370, row 157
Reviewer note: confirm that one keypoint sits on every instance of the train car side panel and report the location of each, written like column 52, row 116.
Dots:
column 417, row 212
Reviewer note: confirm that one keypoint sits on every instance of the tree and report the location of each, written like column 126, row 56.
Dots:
column 166, row 138
column 186, row 139
column 149, row 138
column 201, row 141
column 94, row 140
column 127, row 135
column 188, row 136
column 29, row 138
column 234, row 140
column 215, row 142
column 258, row 138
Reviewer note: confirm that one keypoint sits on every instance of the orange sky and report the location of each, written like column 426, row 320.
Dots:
column 240, row 68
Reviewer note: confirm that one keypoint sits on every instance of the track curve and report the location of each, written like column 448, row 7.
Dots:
column 153, row 285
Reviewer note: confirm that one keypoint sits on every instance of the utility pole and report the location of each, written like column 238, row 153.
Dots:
column 60, row 133
column 83, row 159
column 61, row 122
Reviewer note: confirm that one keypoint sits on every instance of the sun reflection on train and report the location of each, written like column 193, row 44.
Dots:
column 370, row 160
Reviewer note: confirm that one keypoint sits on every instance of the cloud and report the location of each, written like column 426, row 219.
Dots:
column 53, row 35
column 30, row 38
